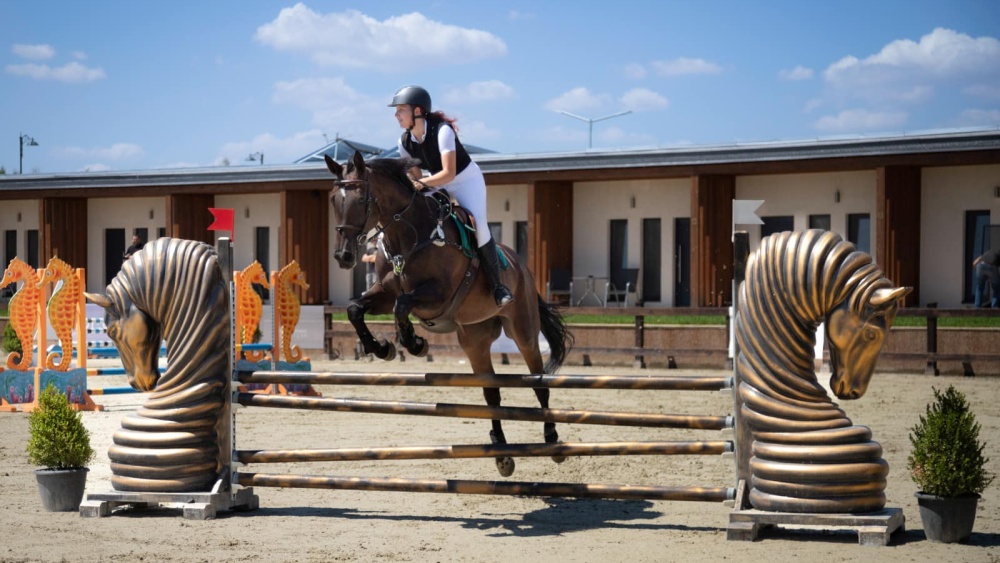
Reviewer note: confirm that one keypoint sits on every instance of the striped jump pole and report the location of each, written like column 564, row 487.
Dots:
column 583, row 490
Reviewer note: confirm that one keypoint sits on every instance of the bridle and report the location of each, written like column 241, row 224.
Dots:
column 361, row 232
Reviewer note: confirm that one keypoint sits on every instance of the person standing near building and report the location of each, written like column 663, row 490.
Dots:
column 136, row 246
column 369, row 260
column 431, row 138
column 987, row 270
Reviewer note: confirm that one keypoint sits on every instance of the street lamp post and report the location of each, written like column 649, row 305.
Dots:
column 24, row 140
column 255, row 157
column 591, row 122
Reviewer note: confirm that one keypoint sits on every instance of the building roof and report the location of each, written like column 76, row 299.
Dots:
column 341, row 150
column 965, row 141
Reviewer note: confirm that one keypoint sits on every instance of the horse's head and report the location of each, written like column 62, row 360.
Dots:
column 856, row 334
column 137, row 338
column 351, row 198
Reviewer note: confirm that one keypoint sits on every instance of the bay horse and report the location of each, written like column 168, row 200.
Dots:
column 424, row 269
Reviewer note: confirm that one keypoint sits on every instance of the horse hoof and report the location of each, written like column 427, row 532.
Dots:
column 421, row 348
column 390, row 351
column 505, row 465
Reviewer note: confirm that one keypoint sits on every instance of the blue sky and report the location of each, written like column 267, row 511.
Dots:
column 111, row 85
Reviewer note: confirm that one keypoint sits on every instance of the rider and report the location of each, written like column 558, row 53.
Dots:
column 432, row 139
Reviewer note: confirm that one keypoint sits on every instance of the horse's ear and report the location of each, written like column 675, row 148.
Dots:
column 358, row 161
column 99, row 299
column 333, row 166
column 882, row 297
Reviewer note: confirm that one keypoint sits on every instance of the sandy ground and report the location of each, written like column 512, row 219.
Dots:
column 322, row 526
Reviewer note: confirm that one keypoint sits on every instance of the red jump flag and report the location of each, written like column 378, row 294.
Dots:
column 224, row 220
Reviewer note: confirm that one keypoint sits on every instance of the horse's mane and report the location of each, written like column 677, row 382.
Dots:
column 395, row 168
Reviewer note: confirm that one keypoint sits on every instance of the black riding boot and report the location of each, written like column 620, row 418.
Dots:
column 490, row 264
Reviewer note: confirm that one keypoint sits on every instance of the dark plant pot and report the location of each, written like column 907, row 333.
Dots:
column 61, row 489
column 947, row 519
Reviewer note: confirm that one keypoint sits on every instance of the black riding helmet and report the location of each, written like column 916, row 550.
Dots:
column 412, row 96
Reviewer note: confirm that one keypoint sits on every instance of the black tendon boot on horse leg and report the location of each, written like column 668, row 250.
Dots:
column 490, row 263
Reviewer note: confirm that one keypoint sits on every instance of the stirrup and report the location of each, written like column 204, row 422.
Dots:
column 502, row 296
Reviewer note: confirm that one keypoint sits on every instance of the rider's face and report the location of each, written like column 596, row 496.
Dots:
column 404, row 116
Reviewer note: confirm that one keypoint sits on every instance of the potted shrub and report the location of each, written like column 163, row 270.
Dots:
column 60, row 443
column 948, row 466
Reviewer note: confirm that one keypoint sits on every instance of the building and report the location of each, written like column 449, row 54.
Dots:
column 920, row 204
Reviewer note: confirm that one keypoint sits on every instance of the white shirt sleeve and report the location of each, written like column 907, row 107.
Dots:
column 446, row 139
column 402, row 151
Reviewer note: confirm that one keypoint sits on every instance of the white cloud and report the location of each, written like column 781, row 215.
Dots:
column 336, row 107
column 796, row 74
column 79, row 55
column 96, row 167
column 33, row 52
column 71, row 72
column 635, row 71
column 577, row 99
column 813, row 104
column 906, row 71
column 685, row 65
column 980, row 117
column 354, row 40
column 641, row 99
column 117, row 151
column 485, row 91
column 277, row 150
column 858, row 120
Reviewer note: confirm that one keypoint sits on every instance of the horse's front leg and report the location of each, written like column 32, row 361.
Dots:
column 408, row 338
column 378, row 302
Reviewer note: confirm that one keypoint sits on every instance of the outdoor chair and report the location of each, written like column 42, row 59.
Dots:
column 622, row 284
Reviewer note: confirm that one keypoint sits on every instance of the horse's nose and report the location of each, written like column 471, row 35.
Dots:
column 347, row 256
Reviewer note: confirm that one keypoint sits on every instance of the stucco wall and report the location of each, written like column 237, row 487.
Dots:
column 118, row 213
column 947, row 194
column 9, row 211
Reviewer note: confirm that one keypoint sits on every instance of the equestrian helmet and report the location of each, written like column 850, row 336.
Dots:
column 413, row 96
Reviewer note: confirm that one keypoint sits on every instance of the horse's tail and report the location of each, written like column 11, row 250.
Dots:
column 557, row 334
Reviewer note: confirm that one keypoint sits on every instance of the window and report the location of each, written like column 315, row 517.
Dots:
column 261, row 253
column 142, row 233
column 32, row 249
column 161, row 232
column 977, row 224
column 776, row 224
column 859, row 231
column 496, row 231
column 819, row 222
column 521, row 230
column 618, row 248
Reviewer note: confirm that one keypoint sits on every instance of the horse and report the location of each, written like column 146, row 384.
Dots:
column 172, row 290
column 807, row 454
column 424, row 269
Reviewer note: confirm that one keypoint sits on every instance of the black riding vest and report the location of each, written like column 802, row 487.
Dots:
column 428, row 152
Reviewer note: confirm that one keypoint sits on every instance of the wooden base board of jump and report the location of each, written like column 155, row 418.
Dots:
column 195, row 506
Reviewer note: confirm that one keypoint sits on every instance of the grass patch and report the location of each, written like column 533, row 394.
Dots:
column 970, row 322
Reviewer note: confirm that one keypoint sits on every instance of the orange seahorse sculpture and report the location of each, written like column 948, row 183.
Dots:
column 249, row 304
column 63, row 309
column 287, row 305
column 23, row 310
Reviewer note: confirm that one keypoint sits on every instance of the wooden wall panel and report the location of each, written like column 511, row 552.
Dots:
column 550, row 229
column 188, row 217
column 63, row 231
column 897, row 227
column 304, row 237
column 711, row 240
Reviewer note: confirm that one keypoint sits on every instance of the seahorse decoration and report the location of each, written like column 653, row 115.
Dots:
column 286, row 303
column 249, row 304
column 23, row 310
column 63, row 309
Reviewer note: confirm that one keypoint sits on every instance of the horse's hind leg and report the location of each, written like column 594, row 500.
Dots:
column 476, row 341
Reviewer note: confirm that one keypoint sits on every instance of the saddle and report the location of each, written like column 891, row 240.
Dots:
column 448, row 206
